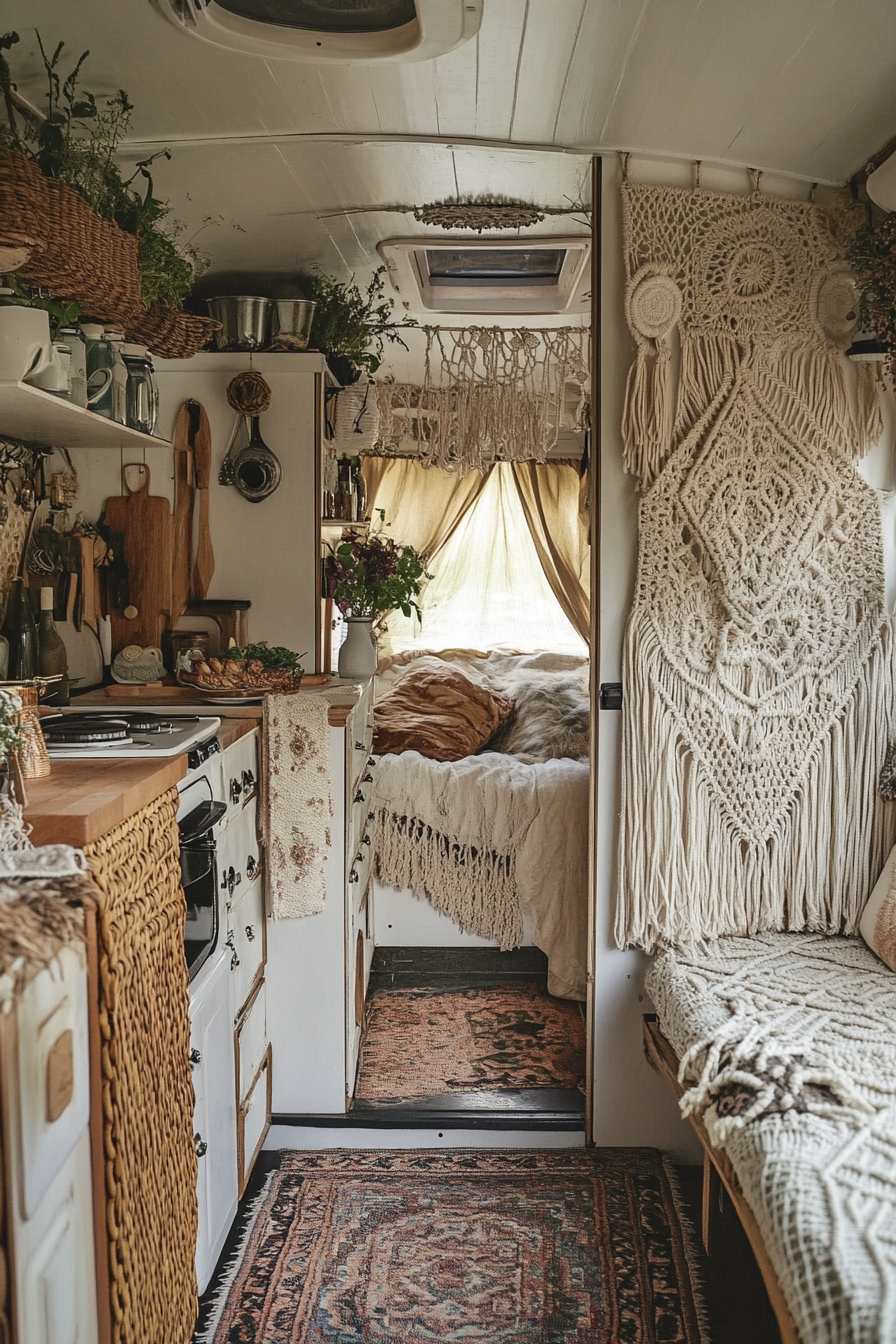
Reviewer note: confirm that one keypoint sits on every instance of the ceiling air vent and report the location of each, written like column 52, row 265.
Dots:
column 329, row 30
column 525, row 275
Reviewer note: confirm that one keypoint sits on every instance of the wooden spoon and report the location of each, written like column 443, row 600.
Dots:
column 204, row 561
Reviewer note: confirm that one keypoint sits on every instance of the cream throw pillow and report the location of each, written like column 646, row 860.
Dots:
column 878, row 923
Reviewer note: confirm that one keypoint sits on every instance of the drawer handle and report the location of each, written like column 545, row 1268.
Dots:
column 200, row 1145
column 371, row 816
column 359, row 746
column 248, row 780
column 236, row 790
column 195, row 1057
column 234, row 959
column 250, row 933
column 368, row 778
column 366, row 840
column 359, row 797
column 251, row 867
column 353, row 876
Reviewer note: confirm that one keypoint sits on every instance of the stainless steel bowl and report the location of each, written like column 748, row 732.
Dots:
column 292, row 323
column 245, row 321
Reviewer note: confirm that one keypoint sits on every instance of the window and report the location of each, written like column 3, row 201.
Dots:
column 489, row 590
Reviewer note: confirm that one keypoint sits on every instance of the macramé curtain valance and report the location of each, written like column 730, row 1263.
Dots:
column 489, row 394
column 759, row 667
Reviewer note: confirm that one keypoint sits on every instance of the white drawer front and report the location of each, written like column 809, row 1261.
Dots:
column 254, row 1116
column 53, row 1072
column 247, row 950
column 239, row 852
column 252, row 1041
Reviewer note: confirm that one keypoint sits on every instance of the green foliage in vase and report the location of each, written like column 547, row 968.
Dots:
column 77, row 143
column 371, row 575
column 352, row 323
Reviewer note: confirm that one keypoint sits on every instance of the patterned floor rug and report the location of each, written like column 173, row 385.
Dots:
column 423, row 1043
column 464, row 1246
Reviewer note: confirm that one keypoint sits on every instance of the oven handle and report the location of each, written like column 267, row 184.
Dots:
column 200, row 820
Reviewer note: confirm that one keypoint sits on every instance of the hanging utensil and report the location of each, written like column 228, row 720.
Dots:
column 185, row 430
column 256, row 470
column 204, row 560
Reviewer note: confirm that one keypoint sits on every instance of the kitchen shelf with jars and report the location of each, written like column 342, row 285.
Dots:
column 37, row 416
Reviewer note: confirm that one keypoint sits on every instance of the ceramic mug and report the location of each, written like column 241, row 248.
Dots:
column 56, row 377
column 25, row 345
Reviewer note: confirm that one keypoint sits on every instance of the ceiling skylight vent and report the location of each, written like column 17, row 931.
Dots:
column 522, row 275
column 329, row 30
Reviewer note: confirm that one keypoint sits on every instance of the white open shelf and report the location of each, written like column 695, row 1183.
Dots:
column 36, row 416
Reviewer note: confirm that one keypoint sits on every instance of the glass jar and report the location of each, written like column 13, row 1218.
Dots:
column 115, row 337
column 100, row 363
column 74, row 339
column 141, row 394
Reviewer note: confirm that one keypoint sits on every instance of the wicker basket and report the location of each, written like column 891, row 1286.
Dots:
column 171, row 334
column 76, row 255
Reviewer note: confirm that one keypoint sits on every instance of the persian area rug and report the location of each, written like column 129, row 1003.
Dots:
column 468, row 1246
column 423, row 1043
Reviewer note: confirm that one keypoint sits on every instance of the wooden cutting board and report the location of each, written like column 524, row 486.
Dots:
column 147, row 524
column 184, row 432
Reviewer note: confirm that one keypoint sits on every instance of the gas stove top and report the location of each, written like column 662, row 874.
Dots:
column 99, row 735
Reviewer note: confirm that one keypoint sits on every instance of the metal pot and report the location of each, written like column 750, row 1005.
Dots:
column 245, row 321
column 292, row 323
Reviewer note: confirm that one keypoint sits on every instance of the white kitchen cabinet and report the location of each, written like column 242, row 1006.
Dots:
column 45, row 1083
column 318, row 967
column 214, row 1114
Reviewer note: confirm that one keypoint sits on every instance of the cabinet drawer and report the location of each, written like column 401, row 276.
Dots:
column 246, row 936
column 251, row 1041
column 253, row 1122
column 239, row 852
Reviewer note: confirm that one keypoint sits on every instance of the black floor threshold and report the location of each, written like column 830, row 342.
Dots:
column 406, row 1117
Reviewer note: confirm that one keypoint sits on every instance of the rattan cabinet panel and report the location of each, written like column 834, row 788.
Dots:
column 151, row 1212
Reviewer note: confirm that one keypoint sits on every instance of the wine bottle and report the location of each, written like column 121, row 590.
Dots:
column 52, row 657
column 21, row 632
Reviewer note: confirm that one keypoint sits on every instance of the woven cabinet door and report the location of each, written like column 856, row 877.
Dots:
column 147, row 1089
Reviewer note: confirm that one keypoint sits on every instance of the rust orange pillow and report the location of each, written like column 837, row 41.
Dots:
column 438, row 712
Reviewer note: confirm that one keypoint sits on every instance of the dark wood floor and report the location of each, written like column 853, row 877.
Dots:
column 457, row 968
column 737, row 1303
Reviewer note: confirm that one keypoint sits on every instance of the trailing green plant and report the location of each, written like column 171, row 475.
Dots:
column 351, row 323
column 76, row 143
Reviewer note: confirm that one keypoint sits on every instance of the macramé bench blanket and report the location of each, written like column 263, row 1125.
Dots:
column 789, row 1044
column 484, row 836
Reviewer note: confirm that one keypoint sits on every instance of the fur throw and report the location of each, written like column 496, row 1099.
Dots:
column 551, row 718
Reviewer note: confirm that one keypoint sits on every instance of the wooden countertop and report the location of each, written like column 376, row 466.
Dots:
column 342, row 697
column 82, row 800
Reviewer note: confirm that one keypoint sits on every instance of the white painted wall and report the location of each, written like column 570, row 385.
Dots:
column 631, row 1106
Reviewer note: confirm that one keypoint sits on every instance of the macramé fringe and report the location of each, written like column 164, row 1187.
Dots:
column 474, row 887
column 686, row 868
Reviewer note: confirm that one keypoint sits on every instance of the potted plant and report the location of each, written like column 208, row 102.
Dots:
column 868, row 238
column 110, row 247
column 367, row 575
column 351, row 326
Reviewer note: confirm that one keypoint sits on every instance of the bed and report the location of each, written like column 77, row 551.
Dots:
column 497, row 836
column 782, row 1049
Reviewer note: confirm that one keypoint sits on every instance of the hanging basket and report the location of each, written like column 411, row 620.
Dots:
column 357, row 421
column 75, row 254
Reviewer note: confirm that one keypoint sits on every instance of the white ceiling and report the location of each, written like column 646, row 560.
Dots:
column 266, row 148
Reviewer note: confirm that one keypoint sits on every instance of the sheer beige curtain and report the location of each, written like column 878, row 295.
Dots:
column 550, row 494
column 429, row 503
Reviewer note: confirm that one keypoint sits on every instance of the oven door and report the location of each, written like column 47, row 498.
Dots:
column 199, row 875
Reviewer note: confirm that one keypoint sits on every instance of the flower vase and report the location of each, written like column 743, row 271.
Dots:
column 357, row 655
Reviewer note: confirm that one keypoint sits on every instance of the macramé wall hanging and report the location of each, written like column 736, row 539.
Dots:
column 489, row 394
column 759, row 666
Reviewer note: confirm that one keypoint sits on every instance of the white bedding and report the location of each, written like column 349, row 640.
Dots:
column 484, row 837
column 817, row 1166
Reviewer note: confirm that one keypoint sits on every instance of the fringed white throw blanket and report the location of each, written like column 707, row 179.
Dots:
column 759, row 659
column 479, row 836
column 297, row 805
column 787, row 1044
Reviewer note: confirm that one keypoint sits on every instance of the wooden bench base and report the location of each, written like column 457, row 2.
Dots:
column 717, row 1169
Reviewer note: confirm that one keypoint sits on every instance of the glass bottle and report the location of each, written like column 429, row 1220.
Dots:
column 74, row 339
column 21, row 632
column 115, row 337
column 52, row 657
column 141, row 393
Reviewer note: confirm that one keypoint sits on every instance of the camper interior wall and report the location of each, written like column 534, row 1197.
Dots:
column 631, row 1105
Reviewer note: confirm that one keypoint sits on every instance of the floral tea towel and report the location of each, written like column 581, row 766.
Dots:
column 298, row 806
